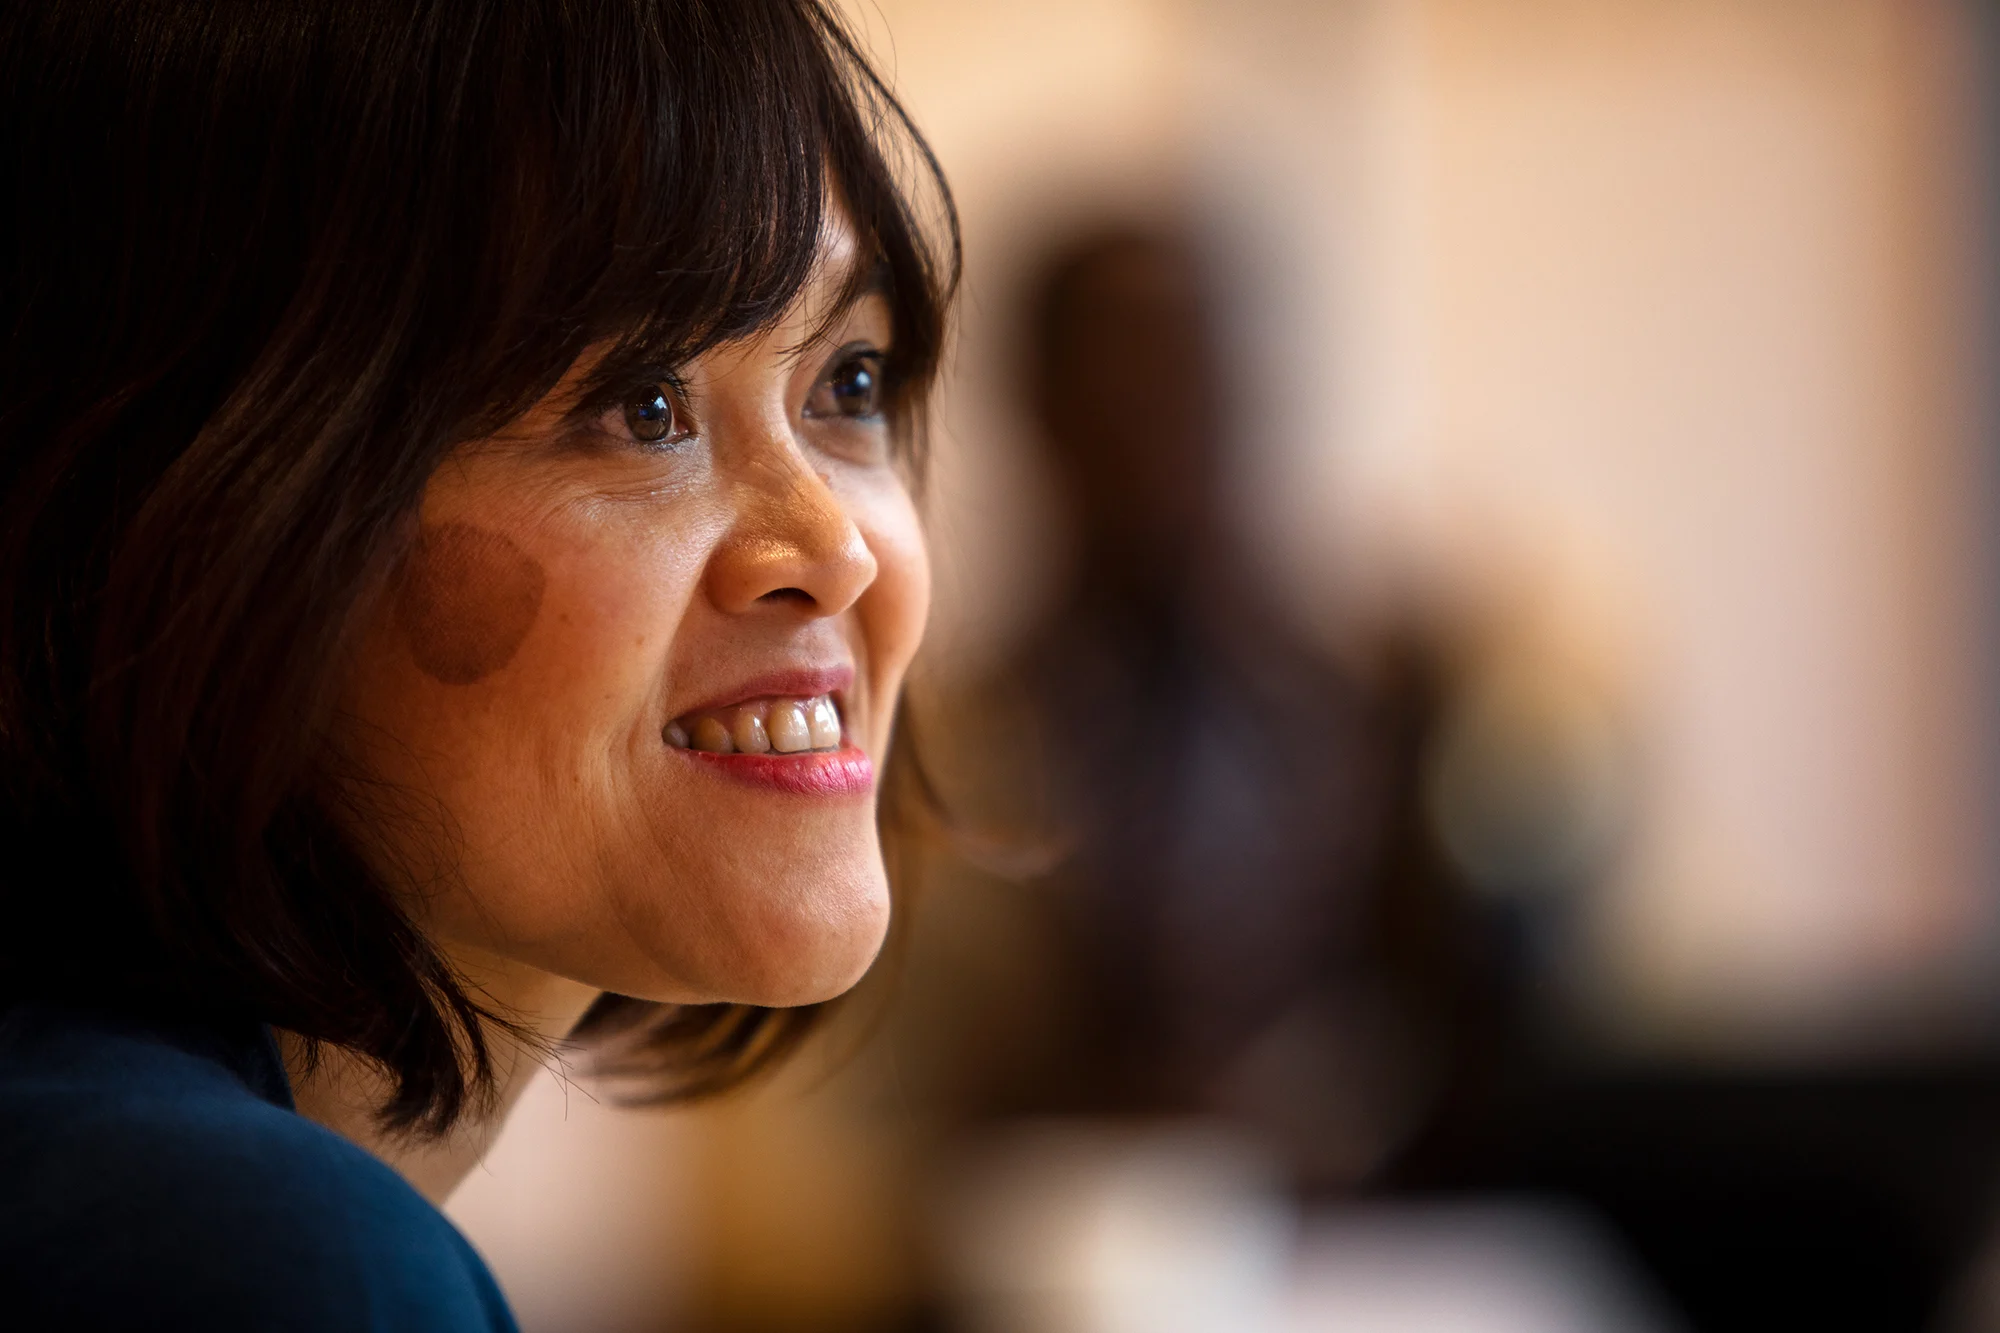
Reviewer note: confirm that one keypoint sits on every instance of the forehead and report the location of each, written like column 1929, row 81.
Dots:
column 847, row 278
column 846, row 286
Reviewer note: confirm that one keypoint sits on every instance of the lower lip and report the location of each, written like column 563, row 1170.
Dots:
column 844, row 772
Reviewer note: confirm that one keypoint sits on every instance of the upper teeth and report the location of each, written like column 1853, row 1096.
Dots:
column 787, row 726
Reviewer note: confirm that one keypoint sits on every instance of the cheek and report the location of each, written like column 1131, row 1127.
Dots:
column 898, row 604
column 465, row 601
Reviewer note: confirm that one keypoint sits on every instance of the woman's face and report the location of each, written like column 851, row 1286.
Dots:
column 626, row 694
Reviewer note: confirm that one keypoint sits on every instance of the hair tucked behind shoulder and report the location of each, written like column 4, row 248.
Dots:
column 264, row 265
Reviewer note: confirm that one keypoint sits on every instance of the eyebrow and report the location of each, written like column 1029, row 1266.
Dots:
column 867, row 276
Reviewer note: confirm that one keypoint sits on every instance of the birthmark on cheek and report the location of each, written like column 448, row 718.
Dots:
column 465, row 600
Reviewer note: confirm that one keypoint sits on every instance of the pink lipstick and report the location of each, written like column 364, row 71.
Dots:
column 843, row 772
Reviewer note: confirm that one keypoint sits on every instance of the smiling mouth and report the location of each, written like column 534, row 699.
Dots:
column 781, row 725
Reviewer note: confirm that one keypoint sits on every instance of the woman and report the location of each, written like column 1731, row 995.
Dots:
column 457, row 572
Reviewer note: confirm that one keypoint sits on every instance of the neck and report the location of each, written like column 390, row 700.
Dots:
column 344, row 1091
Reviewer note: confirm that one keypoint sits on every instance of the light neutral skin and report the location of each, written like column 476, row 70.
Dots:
column 593, row 587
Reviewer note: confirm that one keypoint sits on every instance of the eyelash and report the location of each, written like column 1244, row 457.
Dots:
column 861, row 356
column 653, row 390
column 613, row 411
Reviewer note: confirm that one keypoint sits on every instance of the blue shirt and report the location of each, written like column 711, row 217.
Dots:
column 154, row 1175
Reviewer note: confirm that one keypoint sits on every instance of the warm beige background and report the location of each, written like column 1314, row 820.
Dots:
column 1641, row 325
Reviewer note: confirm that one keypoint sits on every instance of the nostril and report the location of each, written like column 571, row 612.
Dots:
column 799, row 595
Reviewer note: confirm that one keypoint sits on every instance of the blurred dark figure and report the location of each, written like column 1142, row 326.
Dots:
column 1245, row 915
column 1245, row 907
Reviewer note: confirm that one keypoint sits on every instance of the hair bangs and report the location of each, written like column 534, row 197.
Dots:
column 681, row 203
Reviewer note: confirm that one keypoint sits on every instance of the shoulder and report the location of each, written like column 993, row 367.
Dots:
column 145, row 1183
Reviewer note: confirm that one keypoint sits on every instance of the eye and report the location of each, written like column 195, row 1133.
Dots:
column 649, row 415
column 851, row 386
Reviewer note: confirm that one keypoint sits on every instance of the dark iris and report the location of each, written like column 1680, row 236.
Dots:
column 649, row 415
column 856, row 388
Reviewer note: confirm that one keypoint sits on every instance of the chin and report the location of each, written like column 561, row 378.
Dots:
column 813, row 982
column 811, row 961
column 787, row 942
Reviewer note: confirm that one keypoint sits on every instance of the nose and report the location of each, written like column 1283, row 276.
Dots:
column 792, row 545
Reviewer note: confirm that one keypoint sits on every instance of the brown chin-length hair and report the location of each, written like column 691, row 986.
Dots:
column 263, row 264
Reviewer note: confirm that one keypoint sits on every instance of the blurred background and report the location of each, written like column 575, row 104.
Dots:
column 1463, row 677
